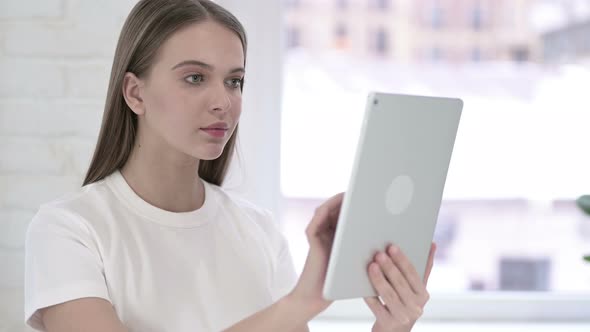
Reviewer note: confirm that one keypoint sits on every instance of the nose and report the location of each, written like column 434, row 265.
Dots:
column 220, row 98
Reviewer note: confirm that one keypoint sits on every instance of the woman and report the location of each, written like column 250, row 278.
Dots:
column 151, row 242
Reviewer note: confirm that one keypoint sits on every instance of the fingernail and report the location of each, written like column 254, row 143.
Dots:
column 374, row 268
column 393, row 249
column 381, row 257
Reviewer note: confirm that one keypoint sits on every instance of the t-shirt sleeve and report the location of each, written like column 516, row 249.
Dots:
column 62, row 263
column 284, row 277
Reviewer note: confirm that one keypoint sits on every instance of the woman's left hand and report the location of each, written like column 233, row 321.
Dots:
column 399, row 286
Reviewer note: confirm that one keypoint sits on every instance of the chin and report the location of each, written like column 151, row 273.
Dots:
column 208, row 154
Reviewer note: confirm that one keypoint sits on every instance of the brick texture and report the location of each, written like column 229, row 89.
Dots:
column 55, row 61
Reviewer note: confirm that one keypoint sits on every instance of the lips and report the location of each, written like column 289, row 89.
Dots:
column 215, row 132
column 218, row 125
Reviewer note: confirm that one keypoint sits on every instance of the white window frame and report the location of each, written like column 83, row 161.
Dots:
column 485, row 306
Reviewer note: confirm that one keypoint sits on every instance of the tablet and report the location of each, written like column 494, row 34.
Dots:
column 395, row 189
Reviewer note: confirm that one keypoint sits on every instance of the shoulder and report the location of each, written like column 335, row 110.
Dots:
column 69, row 209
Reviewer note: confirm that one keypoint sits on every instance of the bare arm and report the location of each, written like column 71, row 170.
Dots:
column 91, row 314
column 94, row 314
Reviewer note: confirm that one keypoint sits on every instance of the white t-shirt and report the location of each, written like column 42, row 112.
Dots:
column 202, row 270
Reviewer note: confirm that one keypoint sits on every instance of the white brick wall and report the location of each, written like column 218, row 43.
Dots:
column 55, row 60
column 31, row 78
column 26, row 10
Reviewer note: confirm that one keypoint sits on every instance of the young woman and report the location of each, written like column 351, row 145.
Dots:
column 151, row 242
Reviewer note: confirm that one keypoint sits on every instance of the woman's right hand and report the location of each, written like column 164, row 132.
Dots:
column 320, row 236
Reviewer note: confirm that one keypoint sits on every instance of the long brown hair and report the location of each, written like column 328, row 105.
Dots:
column 148, row 25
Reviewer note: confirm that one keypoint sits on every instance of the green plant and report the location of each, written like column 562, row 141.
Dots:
column 584, row 204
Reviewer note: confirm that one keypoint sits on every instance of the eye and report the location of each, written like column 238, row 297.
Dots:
column 194, row 78
column 235, row 83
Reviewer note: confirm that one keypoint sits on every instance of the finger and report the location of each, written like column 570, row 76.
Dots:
column 430, row 263
column 378, row 309
column 323, row 213
column 407, row 269
column 384, row 289
column 397, row 280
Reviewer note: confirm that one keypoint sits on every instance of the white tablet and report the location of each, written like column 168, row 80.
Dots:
column 395, row 188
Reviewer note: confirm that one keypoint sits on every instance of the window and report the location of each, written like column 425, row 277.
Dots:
column 436, row 54
column 476, row 54
column 341, row 31
column 436, row 16
column 379, row 4
column 293, row 37
column 524, row 274
column 342, row 4
column 379, row 41
column 476, row 17
column 509, row 230
column 567, row 43
column 292, row 3
column 520, row 54
column 341, row 36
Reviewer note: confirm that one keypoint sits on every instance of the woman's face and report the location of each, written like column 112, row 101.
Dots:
column 194, row 84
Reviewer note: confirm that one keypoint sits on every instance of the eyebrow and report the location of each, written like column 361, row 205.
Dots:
column 205, row 65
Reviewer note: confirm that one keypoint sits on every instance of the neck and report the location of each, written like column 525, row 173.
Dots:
column 172, row 186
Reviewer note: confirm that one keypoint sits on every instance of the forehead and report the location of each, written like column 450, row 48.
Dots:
column 208, row 42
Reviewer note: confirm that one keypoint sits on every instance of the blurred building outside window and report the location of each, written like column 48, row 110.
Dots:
column 508, row 222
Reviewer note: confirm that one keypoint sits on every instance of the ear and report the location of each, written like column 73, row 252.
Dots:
column 132, row 86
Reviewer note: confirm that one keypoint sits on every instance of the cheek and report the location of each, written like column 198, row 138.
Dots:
column 158, row 100
column 168, row 110
column 171, row 101
column 236, row 107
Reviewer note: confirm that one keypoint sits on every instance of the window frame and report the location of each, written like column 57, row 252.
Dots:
column 488, row 306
